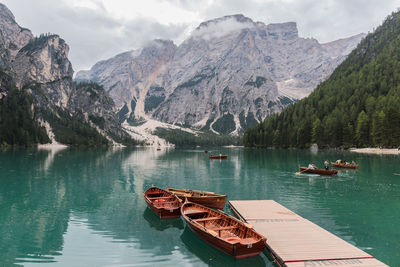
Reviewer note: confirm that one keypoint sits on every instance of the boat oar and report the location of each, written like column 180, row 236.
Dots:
column 301, row 171
column 236, row 219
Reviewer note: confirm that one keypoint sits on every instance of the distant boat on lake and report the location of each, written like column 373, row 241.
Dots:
column 318, row 171
column 218, row 156
column 344, row 165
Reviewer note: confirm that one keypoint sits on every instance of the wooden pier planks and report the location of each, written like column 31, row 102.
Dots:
column 294, row 241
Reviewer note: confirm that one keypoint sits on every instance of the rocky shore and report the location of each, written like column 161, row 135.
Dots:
column 369, row 150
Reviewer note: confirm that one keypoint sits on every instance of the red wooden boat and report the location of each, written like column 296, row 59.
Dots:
column 318, row 171
column 208, row 199
column 218, row 156
column 344, row 165
column 223, row 232
column 163, row 203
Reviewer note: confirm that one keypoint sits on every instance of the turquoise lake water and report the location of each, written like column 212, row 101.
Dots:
column 86, row 208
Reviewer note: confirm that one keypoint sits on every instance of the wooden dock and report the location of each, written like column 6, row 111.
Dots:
column 294, row 241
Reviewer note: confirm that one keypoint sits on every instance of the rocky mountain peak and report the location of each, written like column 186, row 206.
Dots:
column 157, row 48
column 283, row 31
column 39, row 66
column 160, row 43
column 222, row 26
column 228, row 75
column 6, row 14
column 343, row 46
column 237, row 18
column 44, row 59
column 12, row 36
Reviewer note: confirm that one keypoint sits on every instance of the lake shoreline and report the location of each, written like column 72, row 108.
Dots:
column 370, row 150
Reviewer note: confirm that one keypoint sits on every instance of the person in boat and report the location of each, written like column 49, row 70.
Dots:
column 339, row 161
column 311, row 166
column 353, row 163
column 326, row 163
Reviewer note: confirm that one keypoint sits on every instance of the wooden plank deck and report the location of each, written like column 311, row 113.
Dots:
column 294, row 241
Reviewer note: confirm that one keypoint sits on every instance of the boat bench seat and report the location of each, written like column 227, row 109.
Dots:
column 154, row 195
column 206, row 219
column 224, row 228
column 196, row 213
column 159, row 197
column 166, row 202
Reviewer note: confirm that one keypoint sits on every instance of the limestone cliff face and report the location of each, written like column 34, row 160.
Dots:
column 12, row 36
column 229, row 74
column 44, row 61
column 128, row 76
column 96, row 106
column 41, row 66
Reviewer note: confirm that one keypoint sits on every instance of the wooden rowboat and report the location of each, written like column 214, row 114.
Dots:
column 343, row 165
column 163, row 203
column 218, row 156
column 318, row 171
column 223, row 232
column 208, row 199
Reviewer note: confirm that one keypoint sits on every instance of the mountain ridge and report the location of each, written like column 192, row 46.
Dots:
column 359, row 105
column 36, row 71
column 230, row 72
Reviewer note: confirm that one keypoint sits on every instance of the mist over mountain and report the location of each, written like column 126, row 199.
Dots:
column 230, row 74
column 227, row 76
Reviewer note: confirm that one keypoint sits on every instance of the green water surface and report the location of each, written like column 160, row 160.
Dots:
column 85, row 207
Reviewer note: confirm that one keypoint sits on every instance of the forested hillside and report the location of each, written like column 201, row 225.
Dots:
column 359, row 105
column 38, row 97
column 206, row 139
column 17, row 122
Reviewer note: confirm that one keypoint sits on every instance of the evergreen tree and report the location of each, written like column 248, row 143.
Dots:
column 378, row 128
column 362, row 130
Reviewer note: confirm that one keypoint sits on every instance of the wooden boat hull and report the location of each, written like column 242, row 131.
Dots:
column 218, row 156
column 217, row 202
column 167, row 206
column 318, row 171
column 347, row 166
column 207, row 199
column 239, row 251
column 247, row 242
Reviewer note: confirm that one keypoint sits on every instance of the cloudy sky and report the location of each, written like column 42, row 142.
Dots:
column 99, row 29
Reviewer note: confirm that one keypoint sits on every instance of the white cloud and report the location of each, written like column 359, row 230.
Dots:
column 98, row 29
column 220, row 28
column 86, row 4
column 163, row 12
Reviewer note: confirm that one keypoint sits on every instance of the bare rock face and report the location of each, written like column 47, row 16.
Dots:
column 40, row 65
column 44, row 60
column 12, row 36
column 228, row 75
column 96, row 107
column 128, row 76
